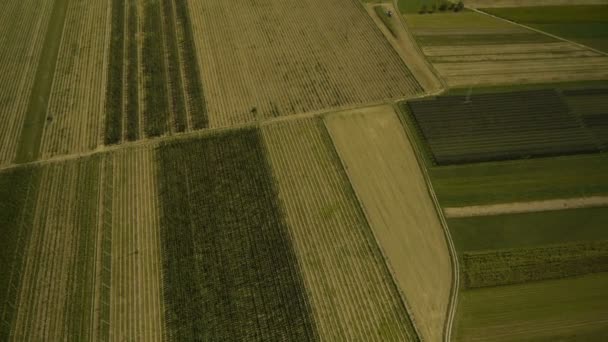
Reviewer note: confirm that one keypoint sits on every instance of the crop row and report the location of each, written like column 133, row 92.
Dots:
column 18, row 192
column 153, row 53
column 502, row 126
column 511, row 266
column 113, row 125
column 229, row 269
column 193, row 84
column 132, row 85
column 173, row 70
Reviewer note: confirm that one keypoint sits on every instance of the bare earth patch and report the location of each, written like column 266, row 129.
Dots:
column 526, row 207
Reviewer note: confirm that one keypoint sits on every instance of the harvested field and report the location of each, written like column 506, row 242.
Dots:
column 273, row 58
column 352, row 294
column 483, row 50
column 23, row 24
column 136, row 304
column 386, row 177
column 59, row 273
column 76, row 104
column 536, row 311
column 229, row 269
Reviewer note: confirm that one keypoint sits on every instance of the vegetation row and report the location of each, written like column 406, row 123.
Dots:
column 194, row 86
column 490, row 127
column 229, row 269
column 113, row 127
column 511, row 266
column 132, row 75
column 156, row 107
column 176, row 89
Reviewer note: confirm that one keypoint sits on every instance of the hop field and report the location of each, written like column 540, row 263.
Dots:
column 490, row 127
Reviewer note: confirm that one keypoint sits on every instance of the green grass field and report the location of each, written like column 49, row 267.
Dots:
column 529, row 229
column 573, row 309
column 523, row 180
column 18, row 192
column 587, row 25
column 531, row 86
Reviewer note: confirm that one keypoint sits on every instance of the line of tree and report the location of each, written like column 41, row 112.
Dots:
column 444, row 6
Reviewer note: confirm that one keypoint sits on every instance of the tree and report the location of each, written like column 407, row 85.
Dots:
column 459, row 7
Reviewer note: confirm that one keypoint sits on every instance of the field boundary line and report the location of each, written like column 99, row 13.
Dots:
column 403, row 23
column 152, row 141
column 540, row 31
column 402, row 296
column 447, row 334
column 526, row 207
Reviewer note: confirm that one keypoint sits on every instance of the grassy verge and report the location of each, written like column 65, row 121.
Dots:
column 18, row 194
column 522, row 180
column 386, row 20
column 156, row 104
column 194, row 88
column 36, row 114
column 113, row 129
column 132, row 75
column 529, row 229
column 520, row 265
column 230, row 271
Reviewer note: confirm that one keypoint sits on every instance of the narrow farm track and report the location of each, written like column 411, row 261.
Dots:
column 526, row 207
column 20, row 21
column 76, row 100
column 136, row 294
column 337, row 254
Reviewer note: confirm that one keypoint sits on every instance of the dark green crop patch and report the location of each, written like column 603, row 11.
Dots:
column 229, row 268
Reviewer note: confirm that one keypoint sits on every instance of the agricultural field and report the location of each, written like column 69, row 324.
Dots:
column 503, row 126
column 352, row 293
column 551, row 310
column 587, row 25
column 21, row 21
column 273, row 58
column 387, row 179
column 278, row 170
column 475, row 49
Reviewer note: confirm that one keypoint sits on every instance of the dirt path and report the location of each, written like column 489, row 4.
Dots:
column 526, row 207
column 408, row 50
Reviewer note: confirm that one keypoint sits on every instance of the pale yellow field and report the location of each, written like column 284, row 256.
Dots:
column 136, row 286
column 387, row 179
column 271, row 58
column 352, row 294
column 23, row 25
column 76, row 104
